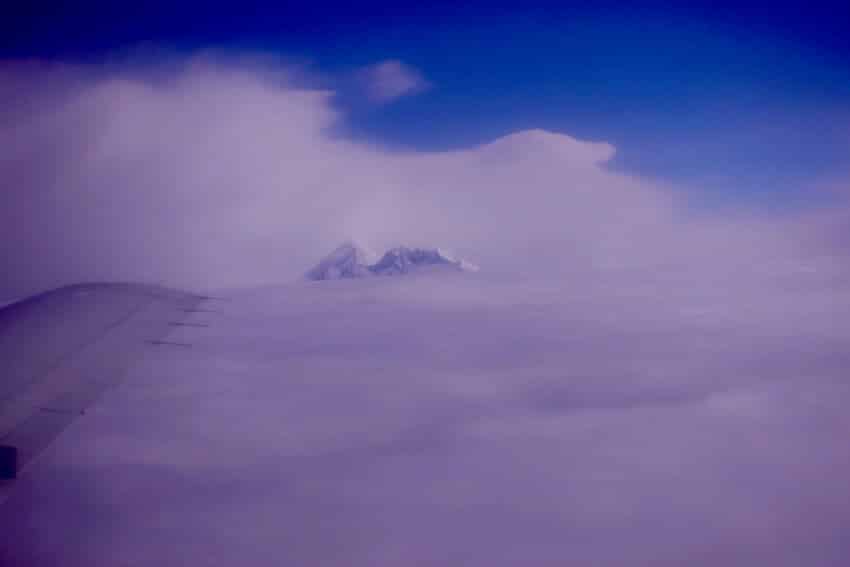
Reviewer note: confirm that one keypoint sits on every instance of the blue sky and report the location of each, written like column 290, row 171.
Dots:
column 738, row 102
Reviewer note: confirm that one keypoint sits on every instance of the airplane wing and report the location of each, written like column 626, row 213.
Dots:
column 63, row 348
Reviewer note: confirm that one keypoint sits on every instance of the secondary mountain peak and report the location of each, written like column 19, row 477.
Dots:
column 349, row 260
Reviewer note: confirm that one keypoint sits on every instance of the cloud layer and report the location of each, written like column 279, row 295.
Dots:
column 448, row 421
column 211, row 172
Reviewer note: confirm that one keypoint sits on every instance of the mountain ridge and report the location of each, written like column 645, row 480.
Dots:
column 352, row 260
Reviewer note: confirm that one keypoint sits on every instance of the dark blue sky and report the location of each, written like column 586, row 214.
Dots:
column 735, row 99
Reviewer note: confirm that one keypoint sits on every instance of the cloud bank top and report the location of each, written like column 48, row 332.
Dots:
column 208, row 171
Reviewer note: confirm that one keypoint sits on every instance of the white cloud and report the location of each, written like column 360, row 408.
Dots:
column 388, row 80
column 212, row 173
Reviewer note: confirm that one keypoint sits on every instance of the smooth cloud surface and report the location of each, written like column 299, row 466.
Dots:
column 444, row 421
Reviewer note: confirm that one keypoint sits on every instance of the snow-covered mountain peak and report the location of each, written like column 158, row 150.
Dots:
column 351, row 260
column 402, row 260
